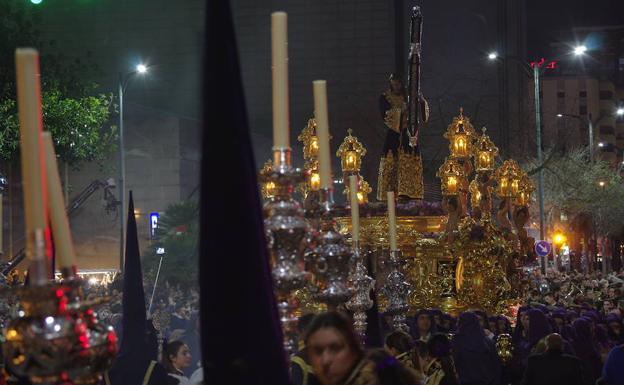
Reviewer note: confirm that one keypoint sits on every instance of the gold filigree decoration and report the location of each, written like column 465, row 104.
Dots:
column 410, row 175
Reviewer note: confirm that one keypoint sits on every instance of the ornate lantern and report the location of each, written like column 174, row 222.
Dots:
column 508, row 178
column 526, row 188
column 351, row 152
column 460, row 134
column 267, row 188
column 363, row 190
column 451, row 175
column 485, row 153
column 310, row 155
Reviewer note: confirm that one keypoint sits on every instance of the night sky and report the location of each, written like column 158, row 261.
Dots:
column 546, row 18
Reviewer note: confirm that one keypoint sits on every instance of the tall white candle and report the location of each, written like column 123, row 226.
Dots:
column 322, row 131
column 355, row 208
column 392, row 221
column 31, row 146
column 63, row 245
column 279, row 49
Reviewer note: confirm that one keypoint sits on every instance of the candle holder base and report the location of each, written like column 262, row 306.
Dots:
column 56, row 337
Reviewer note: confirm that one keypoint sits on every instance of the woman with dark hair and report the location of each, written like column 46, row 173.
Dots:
column 585, row 348
column 399, row 344
column 475, row 355
column 438, row 363
column 423, row 326
column 335, row 352
column 390, row 371
column 176, row 358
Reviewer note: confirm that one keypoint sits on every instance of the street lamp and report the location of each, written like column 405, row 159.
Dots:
column 535, row 73
column 619, row 111
column 493, row 56
column 580, row 50
column 123, row 84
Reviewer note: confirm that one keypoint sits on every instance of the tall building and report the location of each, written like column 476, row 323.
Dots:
column 583, row 93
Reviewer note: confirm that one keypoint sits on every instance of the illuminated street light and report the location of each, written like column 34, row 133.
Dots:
column 619, row 111
column 141, row 68
column 493, row 56
column 559, row 115
column 601, row 183
column 580, row 50
column 601, row 144
column 559, row 239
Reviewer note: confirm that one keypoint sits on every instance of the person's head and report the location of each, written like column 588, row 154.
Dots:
column 177, row 356
column 396, row 84
column 333, row 347
column 420, row 355
column 535, row 295
column 524, row 319
column 398, row 342
column 554, row 343
column 607, row 305
column 539, row 327
column 439, row 346
column 423, row 321
column 549, row 298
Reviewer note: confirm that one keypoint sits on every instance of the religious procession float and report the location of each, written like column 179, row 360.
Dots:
column 458, row 254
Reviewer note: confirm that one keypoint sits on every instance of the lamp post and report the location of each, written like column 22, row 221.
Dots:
column 123, row 84
column 535, row 74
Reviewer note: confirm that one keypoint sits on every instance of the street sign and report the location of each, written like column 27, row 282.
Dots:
column 542, row 248
column 153, row 224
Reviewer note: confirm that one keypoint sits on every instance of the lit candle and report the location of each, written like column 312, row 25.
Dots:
column 451, row 185
column 355, row 208
column 351, row 160
column 31, row 146
column 322, row 131
column 315, row 181
column 65, row 254
column 392, row 221
column 279, row 48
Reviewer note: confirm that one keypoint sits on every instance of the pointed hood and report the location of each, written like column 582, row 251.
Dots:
column 133, row 300
column 236, row 292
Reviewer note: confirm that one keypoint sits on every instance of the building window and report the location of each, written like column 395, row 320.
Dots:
column 583, row 94
column 582, row 110
column 561, row 94
column 606, row 95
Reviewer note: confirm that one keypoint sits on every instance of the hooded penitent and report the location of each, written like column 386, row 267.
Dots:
column 475, row 356
column 240, row 331
column 138, row 345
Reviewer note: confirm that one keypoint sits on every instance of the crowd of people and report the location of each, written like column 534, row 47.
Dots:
column 568, row 331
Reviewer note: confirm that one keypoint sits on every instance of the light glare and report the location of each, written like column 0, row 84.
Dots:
column 492, row 55
column 141, row 68
column 580, row 50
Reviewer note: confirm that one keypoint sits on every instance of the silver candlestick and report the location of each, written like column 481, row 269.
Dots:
column 332, row 256
column 286, row 229
column 362, row 285
column 396, row 290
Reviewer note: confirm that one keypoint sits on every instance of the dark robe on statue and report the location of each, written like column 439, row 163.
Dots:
column 138, row 343
column 400, row 166
column 240, row 330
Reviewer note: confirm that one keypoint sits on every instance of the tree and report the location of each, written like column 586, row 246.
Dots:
column 76, row 118
column 577, row 187
column 178, row 235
